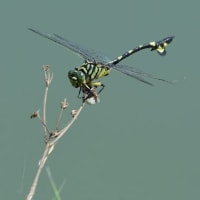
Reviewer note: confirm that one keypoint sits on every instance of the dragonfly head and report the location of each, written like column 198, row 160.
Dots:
column 76, row 78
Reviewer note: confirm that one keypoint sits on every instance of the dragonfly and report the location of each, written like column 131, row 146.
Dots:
column 95, row 66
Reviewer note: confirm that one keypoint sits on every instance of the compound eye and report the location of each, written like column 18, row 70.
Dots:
column 80, row 75
column 72, row 74
column 76, row 78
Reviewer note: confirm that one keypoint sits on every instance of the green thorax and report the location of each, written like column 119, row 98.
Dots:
column 87, row 73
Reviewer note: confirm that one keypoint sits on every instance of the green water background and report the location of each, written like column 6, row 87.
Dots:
column 140, row 142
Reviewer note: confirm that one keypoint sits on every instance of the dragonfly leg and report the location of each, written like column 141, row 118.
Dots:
column 79, row 93
column 91, row 91
column 102, row 87
column 98, row 84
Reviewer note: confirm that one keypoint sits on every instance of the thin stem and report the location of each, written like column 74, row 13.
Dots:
column 59, row 119
column 48, row 149
column 44, row 124
column 65, row 129
column 44, row 111
column 48, row 78
column 46, row 71
column 50, row 143
column 40, row 167
column 64, row 105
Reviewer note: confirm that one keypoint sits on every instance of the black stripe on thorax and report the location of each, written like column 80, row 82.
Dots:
column 90, row 70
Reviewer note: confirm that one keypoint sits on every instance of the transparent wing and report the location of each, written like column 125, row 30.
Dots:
column 85, row 53
column 97, row 57
column 136, row 73
column 90, row 54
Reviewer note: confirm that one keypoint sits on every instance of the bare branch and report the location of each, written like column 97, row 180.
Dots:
column 64, row 105
column 48, row 78
column 65, row 129
column 40, row 167
column 52, row 137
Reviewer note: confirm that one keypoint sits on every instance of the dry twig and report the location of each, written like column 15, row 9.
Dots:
column 51, row 138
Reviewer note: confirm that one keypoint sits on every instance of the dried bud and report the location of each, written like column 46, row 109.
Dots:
column 34, row 115
column 64, row 104
column 92, row 97
column 92, row 100
column 73, row 113
column 45, row 67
